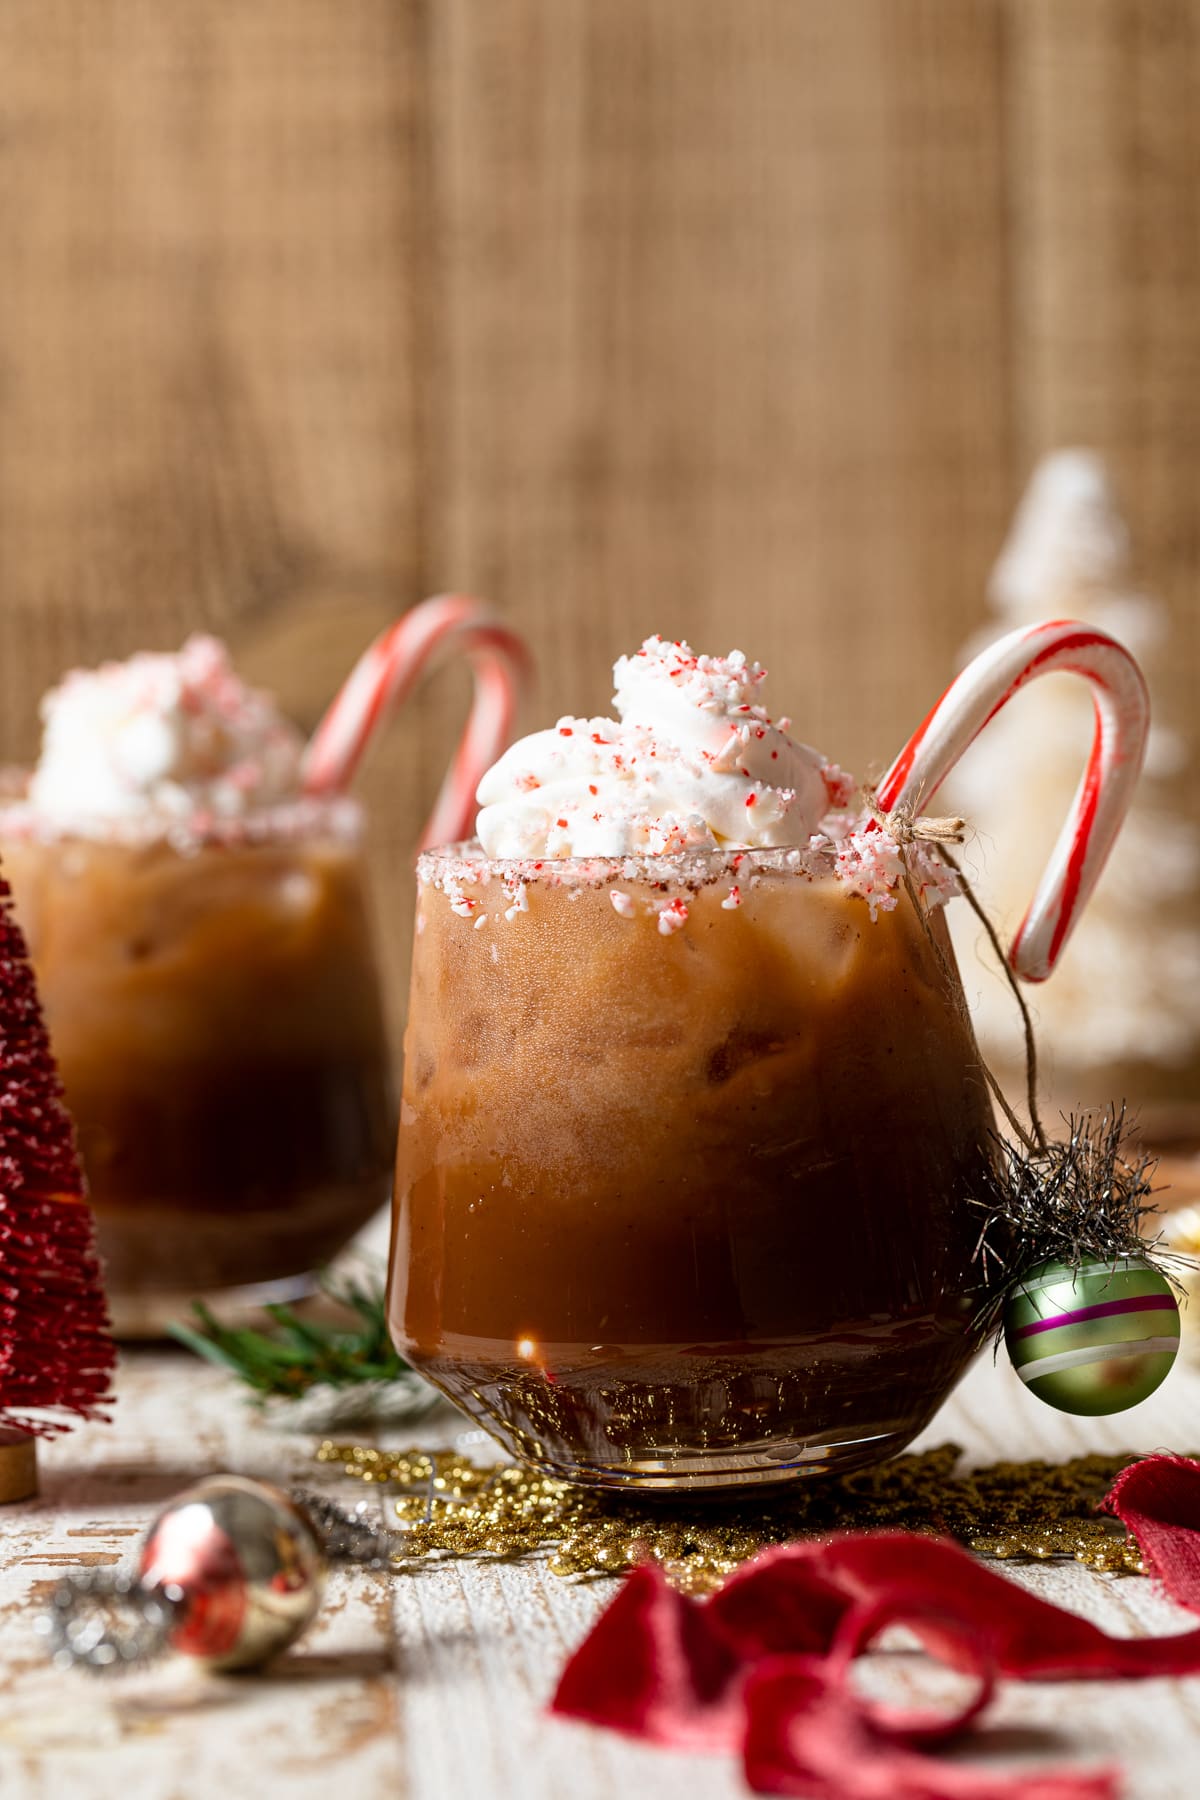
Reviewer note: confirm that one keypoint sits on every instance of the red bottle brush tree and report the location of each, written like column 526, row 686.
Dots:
column 56, row 1355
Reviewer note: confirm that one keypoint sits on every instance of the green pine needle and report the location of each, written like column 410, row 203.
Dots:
column 298, row 1355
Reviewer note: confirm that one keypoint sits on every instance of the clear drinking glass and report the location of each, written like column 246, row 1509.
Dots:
column 685, row 1208
column 215, row 1013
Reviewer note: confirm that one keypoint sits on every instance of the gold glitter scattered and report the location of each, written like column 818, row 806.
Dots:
column 450, row 1506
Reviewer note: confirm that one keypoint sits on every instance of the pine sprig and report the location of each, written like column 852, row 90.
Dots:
column 298, row 1354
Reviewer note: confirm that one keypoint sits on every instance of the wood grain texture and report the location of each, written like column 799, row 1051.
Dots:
column 723, row 349
column 436, row 1683
column 744, row 322
column 207, row 351
column 1104, row 167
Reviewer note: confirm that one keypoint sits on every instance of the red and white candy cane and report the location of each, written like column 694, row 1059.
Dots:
column 387, row 673
column 1118, row 749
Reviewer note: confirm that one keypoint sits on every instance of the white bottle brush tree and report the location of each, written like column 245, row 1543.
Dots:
column 1122, row 1004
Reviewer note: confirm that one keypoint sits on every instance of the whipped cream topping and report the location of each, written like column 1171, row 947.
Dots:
column 691, row 761
column 159, row 741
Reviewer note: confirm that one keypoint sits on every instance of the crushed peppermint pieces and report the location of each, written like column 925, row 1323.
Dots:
column 460, row 904
column 840, row 786
column 519, row 899
column 871, row 864
column 868, row 863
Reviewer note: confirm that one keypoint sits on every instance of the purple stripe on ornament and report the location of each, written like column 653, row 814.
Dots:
column 1107, row 1309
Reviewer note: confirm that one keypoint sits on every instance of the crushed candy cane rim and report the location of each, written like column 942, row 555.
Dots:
column 386, row 674
column 337, row 818
column 1122, row 721
column 467, row 862
column 869, row 866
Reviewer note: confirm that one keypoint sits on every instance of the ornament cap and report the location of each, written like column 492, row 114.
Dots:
column 18, row 1465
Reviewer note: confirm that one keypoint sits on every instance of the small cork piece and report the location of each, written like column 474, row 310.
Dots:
column 18, row 1465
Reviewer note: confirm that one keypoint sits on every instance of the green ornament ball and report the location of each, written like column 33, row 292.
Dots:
column 1094, row 1339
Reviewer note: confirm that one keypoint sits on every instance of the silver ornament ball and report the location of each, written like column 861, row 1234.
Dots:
column 243, row 1567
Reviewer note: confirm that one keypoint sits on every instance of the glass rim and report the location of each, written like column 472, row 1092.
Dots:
column 291, row 821
column 467, row 860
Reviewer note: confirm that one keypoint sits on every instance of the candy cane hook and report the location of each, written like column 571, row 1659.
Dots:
column 1102, row 800
column 387, row 672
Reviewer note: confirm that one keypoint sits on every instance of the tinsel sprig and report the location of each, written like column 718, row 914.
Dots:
column 1083, row 1199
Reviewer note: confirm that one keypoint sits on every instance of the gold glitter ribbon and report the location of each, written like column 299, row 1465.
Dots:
column 448, row 1505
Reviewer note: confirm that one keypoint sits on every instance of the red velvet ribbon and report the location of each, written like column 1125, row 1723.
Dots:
column 762, row 1668
column 1158, row 1502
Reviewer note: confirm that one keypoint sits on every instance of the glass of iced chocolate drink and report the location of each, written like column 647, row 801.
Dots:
column 200, row 933
column 692, row 1112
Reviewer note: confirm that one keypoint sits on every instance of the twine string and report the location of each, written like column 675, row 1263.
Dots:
column 905, row 826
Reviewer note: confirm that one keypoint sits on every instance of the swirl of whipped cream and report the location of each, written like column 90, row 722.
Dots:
column 691, row 760
column 161, row 738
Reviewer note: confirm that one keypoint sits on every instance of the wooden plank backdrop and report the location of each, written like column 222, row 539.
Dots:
column 744, row 321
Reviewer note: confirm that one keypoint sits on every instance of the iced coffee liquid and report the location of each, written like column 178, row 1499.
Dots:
column 686, row 1201
column 216, row 1019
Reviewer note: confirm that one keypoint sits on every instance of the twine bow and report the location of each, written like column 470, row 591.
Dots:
column 907, row 826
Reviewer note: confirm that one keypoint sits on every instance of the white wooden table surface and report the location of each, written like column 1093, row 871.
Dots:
column 430, row 1686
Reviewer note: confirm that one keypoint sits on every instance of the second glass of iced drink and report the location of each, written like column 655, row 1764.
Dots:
column 192, row 883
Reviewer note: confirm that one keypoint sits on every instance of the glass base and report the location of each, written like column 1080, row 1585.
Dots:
column 694, row 1422
column 723, row 1473
column 139, row 1318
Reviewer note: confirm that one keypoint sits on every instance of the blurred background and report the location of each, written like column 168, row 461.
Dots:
column 744, row 320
